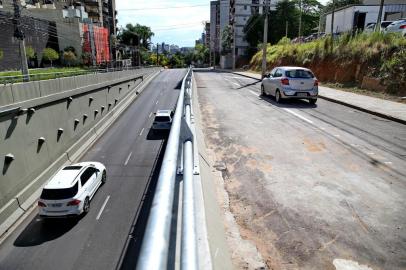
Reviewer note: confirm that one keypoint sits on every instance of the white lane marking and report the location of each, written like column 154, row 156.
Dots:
column 216, row 253
column 388, row 162
column 150, row 115
column 298, row 115
column 128, row 159
column 102, row 208
column 235, row 83
column 336, row 135
column 156, row 103
column 142, row 130
column 255, row 94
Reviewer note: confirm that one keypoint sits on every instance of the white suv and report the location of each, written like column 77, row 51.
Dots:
column 70, row 190
column 163, row 120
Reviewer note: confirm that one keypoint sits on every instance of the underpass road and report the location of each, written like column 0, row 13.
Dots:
column 99, row 239
column 311, row 186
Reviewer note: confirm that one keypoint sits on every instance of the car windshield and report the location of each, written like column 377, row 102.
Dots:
column 299, row 73
column 162, row 119
column 59, row 194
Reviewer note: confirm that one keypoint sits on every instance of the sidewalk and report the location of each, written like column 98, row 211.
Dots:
column 383, row 108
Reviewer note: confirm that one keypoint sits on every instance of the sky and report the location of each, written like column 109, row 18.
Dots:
column 178, row 22
column 173, row 22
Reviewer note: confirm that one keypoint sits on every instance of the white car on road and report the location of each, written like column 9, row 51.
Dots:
column 290, row 83
column 163, row 120
column 69, row 191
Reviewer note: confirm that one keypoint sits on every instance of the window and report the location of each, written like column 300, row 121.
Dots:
column 245, row 7
column 59, row 194
column 72, row 168
column 299, row 73
column 278, row 73
column 86, row 175
column 162, row 119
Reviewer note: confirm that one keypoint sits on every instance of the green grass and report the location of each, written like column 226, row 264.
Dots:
column 384, row 55
column 43, row 74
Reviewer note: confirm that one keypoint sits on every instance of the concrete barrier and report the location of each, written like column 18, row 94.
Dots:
column 49, row 87
column 32, row 139
column 6, row 96
column 25, row 91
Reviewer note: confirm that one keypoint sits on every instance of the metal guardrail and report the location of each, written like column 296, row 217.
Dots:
column 179, row 149
column 55, row 75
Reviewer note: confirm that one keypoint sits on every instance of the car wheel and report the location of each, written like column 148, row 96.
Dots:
column 278, row 97
column 263, row 91
column 104, row 177
column 313, row 101
column 86, row 206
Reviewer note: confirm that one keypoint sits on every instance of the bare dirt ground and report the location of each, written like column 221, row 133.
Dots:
column 305, row 196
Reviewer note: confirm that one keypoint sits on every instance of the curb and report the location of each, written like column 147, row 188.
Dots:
column 382, row 115
column 17, row 215
column 385, row 116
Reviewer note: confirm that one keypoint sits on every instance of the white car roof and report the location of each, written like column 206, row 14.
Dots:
column 67, row 178
column 163, row 113
column 290, row 68
column 64, row 178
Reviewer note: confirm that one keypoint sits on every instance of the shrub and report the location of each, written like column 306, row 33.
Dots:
column 50, row 54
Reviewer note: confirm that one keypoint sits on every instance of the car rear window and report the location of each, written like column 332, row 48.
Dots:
column 59, row 194
column 72, row 168
column 162, row 119
column 299, row 73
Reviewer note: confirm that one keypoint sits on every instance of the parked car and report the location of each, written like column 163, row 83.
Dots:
column 163, row 120
column 290, row 83
column 70, row 190
column 370, row 28
column 398, row 26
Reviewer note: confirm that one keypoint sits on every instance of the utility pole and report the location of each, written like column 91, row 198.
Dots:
column 286, row 28
column 157, row 54
column 234, row 42
column 378, row 21
column 264, row 44
column 332, row 18
column 18, row 33
column 300, row 21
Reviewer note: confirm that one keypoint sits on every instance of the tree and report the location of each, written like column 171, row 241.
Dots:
column 254, row 30
column 29, row 52
column 50, row 54
column 226, row 40
column 69, row 57
column 136, row 35
column 201, row 53
column 311, row 10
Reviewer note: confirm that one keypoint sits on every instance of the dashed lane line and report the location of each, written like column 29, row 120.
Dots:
column 142, row 130
column 102, row 208
column 298, row 115
column 128, row 159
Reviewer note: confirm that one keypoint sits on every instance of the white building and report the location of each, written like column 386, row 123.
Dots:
column 357, row 17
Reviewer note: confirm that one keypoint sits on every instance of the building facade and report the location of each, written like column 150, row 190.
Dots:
column 357, row 17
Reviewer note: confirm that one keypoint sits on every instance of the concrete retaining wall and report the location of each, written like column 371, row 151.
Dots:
column 41, row 121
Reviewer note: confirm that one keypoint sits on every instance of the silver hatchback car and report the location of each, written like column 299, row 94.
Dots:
column 290, row 83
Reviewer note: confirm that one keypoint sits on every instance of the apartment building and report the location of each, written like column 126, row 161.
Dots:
column 214, row 26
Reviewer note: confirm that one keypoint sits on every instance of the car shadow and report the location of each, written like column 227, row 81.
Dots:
column 289, row 103
column 40, row 230
column 157, row 135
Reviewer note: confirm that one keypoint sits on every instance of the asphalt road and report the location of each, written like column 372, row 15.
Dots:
column 109, row 236
column 312, row 187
